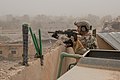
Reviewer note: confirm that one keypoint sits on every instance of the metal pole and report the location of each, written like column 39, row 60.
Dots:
column 64, row 54
column 34, row 41
column 25, row 44
column 40, row 43
column 36, row 44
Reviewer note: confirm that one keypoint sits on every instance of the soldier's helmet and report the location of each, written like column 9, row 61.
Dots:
column 83, row 25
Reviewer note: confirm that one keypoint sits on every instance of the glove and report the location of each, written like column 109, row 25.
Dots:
column 68, row 43
column 55, row 35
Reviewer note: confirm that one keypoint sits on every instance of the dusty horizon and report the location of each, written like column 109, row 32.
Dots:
column 60, row 7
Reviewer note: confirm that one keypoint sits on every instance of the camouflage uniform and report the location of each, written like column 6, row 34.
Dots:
column 86, row 39
column 89, row 41
column 78, row 47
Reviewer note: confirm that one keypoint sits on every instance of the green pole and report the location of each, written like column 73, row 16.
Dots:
column 34, row 41
column 60, row 66
column 40, row 42
column 64, row 54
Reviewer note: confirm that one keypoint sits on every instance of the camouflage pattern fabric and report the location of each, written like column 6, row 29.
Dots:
column 89, row 42
column 82, row 44
column 85, row 43
column 78, row 47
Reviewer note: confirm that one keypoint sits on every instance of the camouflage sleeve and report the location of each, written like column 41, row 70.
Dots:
column 78, row 48
column 95, row 44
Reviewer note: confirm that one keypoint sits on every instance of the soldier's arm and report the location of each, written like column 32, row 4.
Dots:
column 78, row 47
column 95, row 40
column 95, row 43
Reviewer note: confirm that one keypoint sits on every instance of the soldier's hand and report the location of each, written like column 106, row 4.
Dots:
column 68, row 43
column 55, row 35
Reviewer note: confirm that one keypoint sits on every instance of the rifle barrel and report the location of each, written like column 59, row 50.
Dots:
column 50, row 32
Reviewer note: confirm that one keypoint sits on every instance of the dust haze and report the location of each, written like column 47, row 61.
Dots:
column 55, row 14
column 60, row 7
column 48, row 15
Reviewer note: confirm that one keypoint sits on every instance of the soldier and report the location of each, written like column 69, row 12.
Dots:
column 78, row 43
column 86, row 38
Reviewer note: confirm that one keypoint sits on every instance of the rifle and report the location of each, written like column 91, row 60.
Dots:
column 69, row 32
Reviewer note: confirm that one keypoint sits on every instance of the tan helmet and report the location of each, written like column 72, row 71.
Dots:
column 83, row 23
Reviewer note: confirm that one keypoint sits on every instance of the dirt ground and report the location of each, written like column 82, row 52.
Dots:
column 9, row 67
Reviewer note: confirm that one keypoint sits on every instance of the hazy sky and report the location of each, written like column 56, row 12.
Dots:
column 60, row 7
